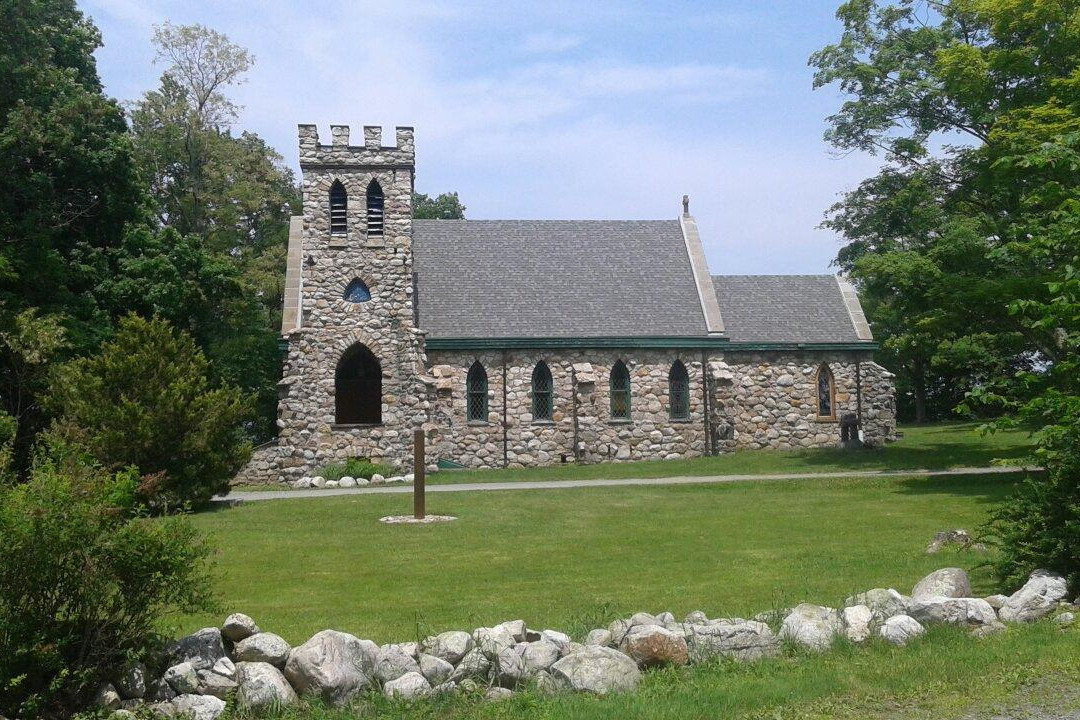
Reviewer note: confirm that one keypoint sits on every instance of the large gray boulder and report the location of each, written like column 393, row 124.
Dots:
column 261, row 686
column 332, row 665
column 476, row 665
column 598, row 670
column 106, row 697
column 946, row 582
column 183, row 678
column 202, row 649
column 408, row 686
column 599, row 636
column 508, row 667
column 901, row 629
column 747, row 641
column 198, row 707
column 812, row 626
column 239, row 626
column 953, row 611
column 449, row 646
column 516, row 628
column 392, row 662
column 1037, row 599
column 654, row 646
column 262, row 647
column 492, row 640
column 884, row 603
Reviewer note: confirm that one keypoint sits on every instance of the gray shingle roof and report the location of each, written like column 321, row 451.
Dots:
column 783, row 308
column 554, row 278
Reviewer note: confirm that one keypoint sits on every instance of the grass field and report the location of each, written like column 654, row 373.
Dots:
column 929, row 447
column 574, row 558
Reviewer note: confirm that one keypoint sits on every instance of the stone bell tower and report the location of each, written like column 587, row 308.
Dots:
column 352, row 380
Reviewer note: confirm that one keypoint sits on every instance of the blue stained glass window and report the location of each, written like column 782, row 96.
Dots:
column 357, row 292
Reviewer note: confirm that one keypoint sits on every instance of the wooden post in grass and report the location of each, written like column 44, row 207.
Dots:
column 419, row 466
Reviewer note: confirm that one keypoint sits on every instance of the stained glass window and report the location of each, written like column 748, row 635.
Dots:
column 374, row 208
column 477, row 393
column 679, row 391
column 541, row 392
column 620, row 392
column 339, row 208
column 825, row 392
column 357, row 292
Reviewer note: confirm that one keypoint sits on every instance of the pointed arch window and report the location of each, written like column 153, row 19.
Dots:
column 476, row 401
column 375, row 204
column 678, row 392
column 825, row 385
column 339, row 209
column 542, row 404
column 357, row 292
column 620, row 391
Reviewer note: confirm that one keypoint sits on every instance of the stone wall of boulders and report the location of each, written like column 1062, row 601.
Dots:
column 262, row 671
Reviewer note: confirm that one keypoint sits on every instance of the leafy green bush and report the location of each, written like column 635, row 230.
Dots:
column 353, row 467
column 145, row 399
column 84, row 583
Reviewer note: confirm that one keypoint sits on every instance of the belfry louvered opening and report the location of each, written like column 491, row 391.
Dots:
column 339, row 209
column 374, row 208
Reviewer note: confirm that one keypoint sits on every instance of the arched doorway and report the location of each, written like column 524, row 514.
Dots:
column 358, row 387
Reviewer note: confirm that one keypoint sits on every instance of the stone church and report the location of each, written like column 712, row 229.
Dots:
column 539, row 342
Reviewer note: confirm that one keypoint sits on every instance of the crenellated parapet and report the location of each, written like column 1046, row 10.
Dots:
column 340, row 154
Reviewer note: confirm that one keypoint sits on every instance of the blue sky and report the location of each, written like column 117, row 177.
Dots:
column 573, row 110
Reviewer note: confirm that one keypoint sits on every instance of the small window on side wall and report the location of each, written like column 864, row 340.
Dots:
column 339, row 209
column 620, row 392
column 477, row 393
column 679, row 391
column 542, row 405
column 826, row 393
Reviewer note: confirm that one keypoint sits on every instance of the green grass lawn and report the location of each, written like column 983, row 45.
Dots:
column 931, row 447
column 572, row 559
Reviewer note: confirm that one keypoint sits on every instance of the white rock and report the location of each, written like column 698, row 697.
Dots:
column 210, row 683
column 318, row 481
column 362, row 482
column 1037, row 599
column 492, row 640
column 347, row 482
column 476, row 665
column 598, row 670
column 946, row 582
column 746, row 640
column 695, row 617
column 262, row 647
column 435, row 670
column 225, row 668
column 392, row 662
column 857, row 619
column 1065, row 619
column 509, row 667
column 599, row 636
column 812, row 626
column 901, row 629
column 332, row 665
column 182, row 678
column 198, row 707
column 408, row 686
column 450, row 646
column 516, row 628
column 376, row 479
column 262, row 686
column 408, row 478
column 884, row 603
column 495, row 694
column 560, row 640
column 953, row 611
column 238, row 626
column 303, row 483
column 332, row 484
column 540, row 655
column 997, row 601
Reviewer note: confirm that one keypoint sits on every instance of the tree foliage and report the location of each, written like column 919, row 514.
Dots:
column 146, row 400
column 445, row 206
column 945, row 90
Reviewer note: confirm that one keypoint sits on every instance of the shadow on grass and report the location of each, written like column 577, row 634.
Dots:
column 982, row 488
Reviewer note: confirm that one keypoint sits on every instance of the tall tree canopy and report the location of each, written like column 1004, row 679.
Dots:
column 946, row 90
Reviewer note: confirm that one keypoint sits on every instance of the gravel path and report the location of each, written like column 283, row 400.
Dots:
column 256, row 495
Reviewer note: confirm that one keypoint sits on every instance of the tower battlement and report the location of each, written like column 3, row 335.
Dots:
column 340, row 153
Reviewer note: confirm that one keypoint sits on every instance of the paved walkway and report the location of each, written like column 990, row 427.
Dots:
column 253, row 495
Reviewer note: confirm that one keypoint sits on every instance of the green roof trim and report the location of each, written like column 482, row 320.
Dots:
column 682, row 343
